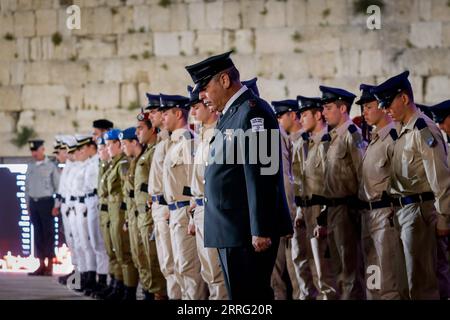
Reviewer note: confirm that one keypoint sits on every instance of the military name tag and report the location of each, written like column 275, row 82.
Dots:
column 257, row 124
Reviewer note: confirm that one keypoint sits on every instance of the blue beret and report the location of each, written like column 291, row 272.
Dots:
column 35, row 144
column 366, row 95
column 440, row 111
column 251, row 84
column 283, row 106
column 307, row 103
column 202, row 72
column 388, row 90
column 128, row 134
column 153, row 101
column 173, row 101
column 330, row 94
column 112, row 134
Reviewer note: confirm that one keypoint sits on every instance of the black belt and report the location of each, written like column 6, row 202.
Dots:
column 131, row 193
column 160, row 199
column 123, row 206
column 104, row 207
column 415, row 198
column 72, row 198
column 178, row 205
column 58, row 196
column 63, row 200
column 144, row 187
column 81, row 199
column 199, row 201
column 350, row 201
column 313, row 201
column 371, row 205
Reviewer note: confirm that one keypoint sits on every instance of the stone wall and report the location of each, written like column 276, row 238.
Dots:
column 55, row 80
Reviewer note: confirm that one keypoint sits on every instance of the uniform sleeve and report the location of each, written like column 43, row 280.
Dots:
column 91, row 177
column 437, row 172
column 264, row 184
column 357, row 150
column 55, row 178
column 188, row 160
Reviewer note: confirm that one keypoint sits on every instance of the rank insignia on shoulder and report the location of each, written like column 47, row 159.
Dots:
column 357, row 137
column 326, row 138
column 425, row 132
column 257, row 124
column 305, row 136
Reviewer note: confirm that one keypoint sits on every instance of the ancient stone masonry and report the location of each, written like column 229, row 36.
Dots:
column 57, row 80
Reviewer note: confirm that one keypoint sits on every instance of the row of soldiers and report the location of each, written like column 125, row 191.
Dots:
column 142, row 190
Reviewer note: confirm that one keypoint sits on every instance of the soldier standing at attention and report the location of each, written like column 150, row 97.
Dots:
column 147, row 135
column 312, row 159
column 159, row 208
column 420, row 181
column 343, row 159
column 209, row 258
column 177, row 177
column 120, row 238
column 245, row 203
column 42, row 179
column 380, row 239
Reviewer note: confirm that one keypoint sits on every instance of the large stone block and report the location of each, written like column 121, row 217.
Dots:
column 296, row 13
column 8, row 122
column 275, row 15
column 274, row 40
column 437, row 89
column 10, row 98
column 247, row 65
column 96, row 48
column 24, row 23
column 168, row 75
column 166, row 44
column 46, row 22
column 135, row 44
column 371, row 63
column 8, row 6
column 102, row 96
column 348, row 63
column 214, row 15
column 26, row 119
column 23, row 49
column 10, row 150
column 318, row 68
column 197, row 16
column 17, row 72
column 208, row 42
column 44, row 97
column 87, row 22
column 129, row 95
column 245, row 41
column 179, row 17
column 42, row 4
column 426, row 34
column 68, row 73
column 66, row 50
column 141, row 16
column 24, row 5
column 85, row 117
column 103, row 21
column 304, row 86
column 440, row 10
column 6, row 23
column 232, row 12
column 122, row 118
column 37, row 72
column 4, row 73
column 143, row 88
column 187, row 39
column 59, row 121
column 446, row 35
column 138, row 70
column 123, row 19
column 75, row 94
column 36, row 49
column 159, row 17
column 8, row 50
column 252, row 12
column 273, row 89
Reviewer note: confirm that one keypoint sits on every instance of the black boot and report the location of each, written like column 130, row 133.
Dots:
column 83, row 276
column 48, row 270
column 129, row 294
column 39, row 271
column 91, row 283
column 148, row 296
column 103, row 293
column 118, row 291
column 101, row 284
column 63, row 279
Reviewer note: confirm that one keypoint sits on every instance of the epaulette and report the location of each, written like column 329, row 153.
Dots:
column 425, row 132
column 393, row 134
column 305, row 136
column 357, row 137
column 326, row 138
column 188, row 135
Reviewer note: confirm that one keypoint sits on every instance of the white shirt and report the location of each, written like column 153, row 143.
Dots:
column 234, row 98
column 91, row 174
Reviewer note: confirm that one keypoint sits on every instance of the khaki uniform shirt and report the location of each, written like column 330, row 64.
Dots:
column 201, row 156
column 116, row 177
column 376, row 165
column 129, row 192
column 141, row 173
column 344, row 158
column 418, row 167
column 297, row 143
column 155, row 179
column 313, row 165
column 178, row 163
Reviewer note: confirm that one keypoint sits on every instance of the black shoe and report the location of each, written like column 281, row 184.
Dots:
column 117, row 293
column 83, row 276
column 129, row 294
column 148, row 296
column 63, row 279
column 91, row 283
column 102, row 293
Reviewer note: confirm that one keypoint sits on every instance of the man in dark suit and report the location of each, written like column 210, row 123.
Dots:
column 245, row 203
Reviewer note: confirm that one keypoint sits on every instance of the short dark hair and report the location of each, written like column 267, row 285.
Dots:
column 232, row 72
column 347, row 105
